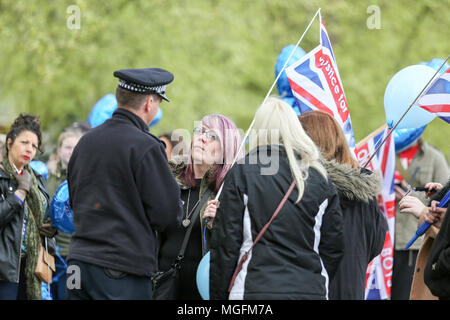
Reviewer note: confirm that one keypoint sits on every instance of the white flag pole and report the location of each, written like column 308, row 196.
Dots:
column 268, row 94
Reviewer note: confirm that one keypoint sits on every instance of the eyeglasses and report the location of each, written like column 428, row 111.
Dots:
column 210, row 135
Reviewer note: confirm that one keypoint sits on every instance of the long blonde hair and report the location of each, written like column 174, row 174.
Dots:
column 276, row 116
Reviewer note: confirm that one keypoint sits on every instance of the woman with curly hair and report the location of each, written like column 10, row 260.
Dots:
column 23, row 204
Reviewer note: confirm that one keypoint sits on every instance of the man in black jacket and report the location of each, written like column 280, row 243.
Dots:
column 122, row 192
column 437, row 269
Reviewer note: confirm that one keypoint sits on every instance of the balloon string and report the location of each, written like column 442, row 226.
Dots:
column 404, row 114
column 267, row 96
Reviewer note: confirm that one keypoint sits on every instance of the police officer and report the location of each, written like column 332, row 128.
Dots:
column 121, row 192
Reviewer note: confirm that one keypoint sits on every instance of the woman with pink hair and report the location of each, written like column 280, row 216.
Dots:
column 214, row 146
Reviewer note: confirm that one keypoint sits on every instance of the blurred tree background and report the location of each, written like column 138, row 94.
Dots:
column 221, row 52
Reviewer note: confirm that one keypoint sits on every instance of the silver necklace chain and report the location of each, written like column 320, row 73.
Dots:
column 186, row 221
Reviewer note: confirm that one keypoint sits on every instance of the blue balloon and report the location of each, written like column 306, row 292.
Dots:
column 435, row 64
column 46, row 292
column 292, row 101
column 102, row 110
column 39, row 167
column 203, row 276
column 157, row 117
column 403, row 138
column 401, row 91
column 284, row 89
column 61, row 214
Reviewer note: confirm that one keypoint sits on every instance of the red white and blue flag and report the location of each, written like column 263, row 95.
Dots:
column 437, row 98
column 316, row 84
column 379, row 271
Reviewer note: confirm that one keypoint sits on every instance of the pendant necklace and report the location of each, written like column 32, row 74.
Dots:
column 186, row 221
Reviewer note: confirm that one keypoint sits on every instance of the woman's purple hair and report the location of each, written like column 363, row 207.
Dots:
column 230, row 141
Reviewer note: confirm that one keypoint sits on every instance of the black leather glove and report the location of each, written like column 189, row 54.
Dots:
column 25, row 180
column 47, row 230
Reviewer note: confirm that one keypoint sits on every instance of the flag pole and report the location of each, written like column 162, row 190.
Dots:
column 404, row 114
column 268, row 94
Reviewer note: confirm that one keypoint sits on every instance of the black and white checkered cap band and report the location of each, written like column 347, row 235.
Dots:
column 142, row 89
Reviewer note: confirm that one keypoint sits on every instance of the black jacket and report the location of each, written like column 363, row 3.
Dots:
column 437, row 269
column 11, row 223
column 300, row 250
column 365, row 228
column 121, row 191
column 171, row 239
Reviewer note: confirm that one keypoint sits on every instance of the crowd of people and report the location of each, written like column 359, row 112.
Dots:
column 136, row 202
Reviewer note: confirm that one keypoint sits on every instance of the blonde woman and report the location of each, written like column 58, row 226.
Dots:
column 67, row 141
column 303, row 246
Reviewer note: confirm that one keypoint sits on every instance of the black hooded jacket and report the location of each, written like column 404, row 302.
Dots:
column 11, row 223
column 437, row 269
column 301, row 249
column 365, row 228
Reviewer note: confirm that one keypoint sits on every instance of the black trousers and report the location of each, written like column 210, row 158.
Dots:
column 99, row 283
column 15, row 291
column 403, row 272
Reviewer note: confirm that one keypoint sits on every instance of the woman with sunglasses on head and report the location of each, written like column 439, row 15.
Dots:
column 23, row 206
column 214, row 146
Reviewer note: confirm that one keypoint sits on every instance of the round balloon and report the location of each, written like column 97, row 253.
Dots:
column 39, row 167
column 401, row 91
column 290, row 101
column 157, row 117
column 403, row 138
column 284, row 89
column 435, row 64
column 203, row 277
column 61, row 214
column 102, row 110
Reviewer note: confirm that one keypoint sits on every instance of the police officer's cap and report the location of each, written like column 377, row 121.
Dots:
column 145, row 81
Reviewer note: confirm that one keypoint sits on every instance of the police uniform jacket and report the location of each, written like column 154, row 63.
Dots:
column 122, row 192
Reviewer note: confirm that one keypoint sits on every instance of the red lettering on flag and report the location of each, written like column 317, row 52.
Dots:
column 387, row 263
column 389, row 207
column 362, row 154
column 324, row 64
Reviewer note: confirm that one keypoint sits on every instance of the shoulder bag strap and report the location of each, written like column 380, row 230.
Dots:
column 189, row 230
column 244, row 257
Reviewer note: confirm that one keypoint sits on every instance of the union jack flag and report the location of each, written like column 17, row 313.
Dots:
column 316, row 84
column 437, row 97
column 379, row 271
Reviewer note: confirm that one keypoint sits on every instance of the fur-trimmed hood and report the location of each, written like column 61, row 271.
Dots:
column 177, row 165
column 360, row 185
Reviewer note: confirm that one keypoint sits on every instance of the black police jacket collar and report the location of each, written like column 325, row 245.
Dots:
column 136, row 120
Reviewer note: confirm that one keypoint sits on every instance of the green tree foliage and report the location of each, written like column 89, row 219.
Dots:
column 222, row 53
